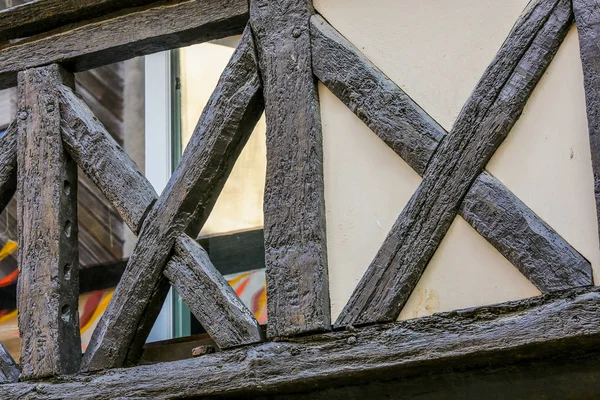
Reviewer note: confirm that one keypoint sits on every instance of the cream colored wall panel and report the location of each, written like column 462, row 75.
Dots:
column 366, row 187
column 466, row 271
column 436, row 50
column 546, row 160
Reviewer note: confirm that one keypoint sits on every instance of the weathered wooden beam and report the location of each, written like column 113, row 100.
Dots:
column 209, row 297
column 8, row 165
column 385, row 108
column 222, row 131
column 104, row 161
column 523, row 329
column 48, row 285
column 44, row 15
column 149, row 29
column 587, row 19
column 9, row 372
column 294, row 200
column 484, row 122
column 530, row 244
column 540, row 253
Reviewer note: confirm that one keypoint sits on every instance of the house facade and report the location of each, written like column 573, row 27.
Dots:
column 301, row 199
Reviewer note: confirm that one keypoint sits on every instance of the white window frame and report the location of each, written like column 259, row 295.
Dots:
column 158, row 122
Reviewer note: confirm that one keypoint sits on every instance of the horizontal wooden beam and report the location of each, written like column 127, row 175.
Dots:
column 524, row 329
column 8, row 165
column 104, row 161
column 141, row 31
column 521, row 236
column 44, row 15
column 209, row 297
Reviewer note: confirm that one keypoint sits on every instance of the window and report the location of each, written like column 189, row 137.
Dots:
column 178, row 86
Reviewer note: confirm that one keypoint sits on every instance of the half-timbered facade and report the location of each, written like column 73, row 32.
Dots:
column 468, row 281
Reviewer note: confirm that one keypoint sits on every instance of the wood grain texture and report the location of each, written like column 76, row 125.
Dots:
column 515, row 330
column 48, row 285
column 294, row 200
column 587, row 19
column 9, row 372
column 484, row 122
column 104, row 161
column 222, row 131
column 8, row 165
column 385, row 108
column 141, row 31
column 210, row 298
column 43, row 15
column 562, row 267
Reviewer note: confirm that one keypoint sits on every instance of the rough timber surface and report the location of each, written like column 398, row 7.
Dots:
column 385, row 108
column 210, row 298
column 477, row 338
column 294, row 200
column 9, row 372
column 40, row 16
column 104, row 161
column 538, row 251
column 137, row 32
column 8, row 165
column 587, row 19
column 48, row 285
column 222, row 131
column 524, row 239
column 484, row 122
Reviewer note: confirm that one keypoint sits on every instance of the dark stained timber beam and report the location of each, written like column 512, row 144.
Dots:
column 524, row 329
column 8, row 368
column 104, row 161
column 141, row 31
column 8, row 165
column 222, row 131
column 40, row 16
column 530, row 244
column 210, row 298
column 540, row 253
column 385, row 108
column 294, row 202
column 587, row 19
column 484, row 122
column 48, row 285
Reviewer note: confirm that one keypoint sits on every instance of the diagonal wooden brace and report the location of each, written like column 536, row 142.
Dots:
column 183, row 207
column 528, row 242
column 9, row 372
column 485, row 120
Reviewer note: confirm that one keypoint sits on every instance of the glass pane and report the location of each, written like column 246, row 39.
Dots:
column 232, row 235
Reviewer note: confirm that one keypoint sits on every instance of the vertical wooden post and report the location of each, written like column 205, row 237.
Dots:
column 587, row 19
column 48, row 285
column 294, row 207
